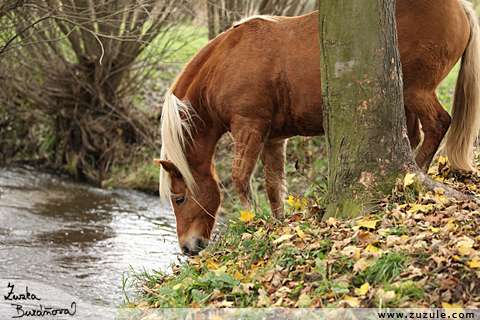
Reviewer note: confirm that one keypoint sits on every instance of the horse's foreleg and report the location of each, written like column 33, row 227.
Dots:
column 413, row 128
column 273, row 159
column 248, row 140
column 435, row 122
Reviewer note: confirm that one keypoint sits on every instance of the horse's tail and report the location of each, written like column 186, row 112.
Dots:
column 466, row 102
column 176, row 128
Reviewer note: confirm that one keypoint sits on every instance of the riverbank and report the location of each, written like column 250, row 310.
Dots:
column 418, row 249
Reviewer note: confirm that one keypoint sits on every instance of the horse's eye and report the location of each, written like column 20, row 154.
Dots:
column 180, row 200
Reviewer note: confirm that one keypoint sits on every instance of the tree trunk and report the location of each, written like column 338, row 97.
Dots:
column 362, row 97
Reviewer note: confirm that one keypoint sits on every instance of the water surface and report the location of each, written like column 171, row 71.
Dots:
column 78, row 238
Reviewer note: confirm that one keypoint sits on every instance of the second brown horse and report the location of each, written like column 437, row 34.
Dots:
column 260, row 80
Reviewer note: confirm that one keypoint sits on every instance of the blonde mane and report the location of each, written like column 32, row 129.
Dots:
column 266, row 18
column 175, row 129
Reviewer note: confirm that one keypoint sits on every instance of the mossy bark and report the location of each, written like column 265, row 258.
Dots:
column 362, row 96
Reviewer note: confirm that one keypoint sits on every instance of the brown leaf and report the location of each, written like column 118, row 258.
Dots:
column 449, row 283
column 431, row 218
column 365, row 237
column 434, row 298
column 421, row 283
column 385, row 224
column 446, row 296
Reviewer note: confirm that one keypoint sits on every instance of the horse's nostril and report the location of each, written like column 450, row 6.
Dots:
column 186, row 250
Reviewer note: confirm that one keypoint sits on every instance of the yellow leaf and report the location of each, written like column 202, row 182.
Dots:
column 414, row 208
column 215, row 317
column 371, row 249
column 449, row 313
column 441, row 197
column 473, row 264
column 246, row 216
column 465, row 251
column 453, row 305
column 177, row 286
column 433, row 229
column 455, row 257
column 219, row 270
column 370, row 224
column 283, row 238
column 300, row 233
column 466, row 242
column 408, row 180
column 450, row 224
column 351, row 301
column 238, row 275
column 363, row 289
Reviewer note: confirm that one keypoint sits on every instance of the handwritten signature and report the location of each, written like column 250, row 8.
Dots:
column 39, row 312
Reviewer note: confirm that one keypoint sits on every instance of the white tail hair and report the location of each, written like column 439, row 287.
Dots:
column 175, row 130
column 466, row 102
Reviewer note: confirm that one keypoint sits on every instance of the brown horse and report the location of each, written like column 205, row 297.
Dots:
column 260, row 80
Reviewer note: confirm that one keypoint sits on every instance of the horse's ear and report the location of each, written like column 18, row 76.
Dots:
column 169, row 167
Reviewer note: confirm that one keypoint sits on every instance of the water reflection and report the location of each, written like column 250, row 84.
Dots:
column 77, row 237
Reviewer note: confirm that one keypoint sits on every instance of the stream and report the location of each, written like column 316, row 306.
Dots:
column 59, row 237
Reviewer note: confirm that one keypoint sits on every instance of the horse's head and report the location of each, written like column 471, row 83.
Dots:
column 194, row 211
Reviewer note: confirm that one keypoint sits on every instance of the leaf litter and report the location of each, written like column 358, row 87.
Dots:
column 418, row 249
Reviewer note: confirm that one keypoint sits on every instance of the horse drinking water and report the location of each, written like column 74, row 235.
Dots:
column 260, row 80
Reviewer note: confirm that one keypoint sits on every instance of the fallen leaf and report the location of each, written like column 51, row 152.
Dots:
column 365, row 237
column 362, row 264
column 363, row 289
column 351, row 301
column 408, row 180
column 246, row 236
column 219, row 270
column 386, row 295
column 474, row 264
column 370, row 224
column 465, row 242
column 300, row 233
column 238, row 275
column 304, row 301
column 449, row 283
column 246, row 216
column 433, row 229
column 283, row 238
column 371, row 249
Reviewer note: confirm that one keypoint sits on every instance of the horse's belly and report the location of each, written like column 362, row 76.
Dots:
column 307, row 121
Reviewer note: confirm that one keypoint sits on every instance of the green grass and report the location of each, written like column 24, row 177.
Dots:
column 447, row 87
column 387, row 267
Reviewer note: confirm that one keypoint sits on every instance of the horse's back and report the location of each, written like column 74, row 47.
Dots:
column 270, row 70
column 432, row 36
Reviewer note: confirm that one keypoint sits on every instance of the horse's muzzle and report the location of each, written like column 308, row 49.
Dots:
column 194, row 247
